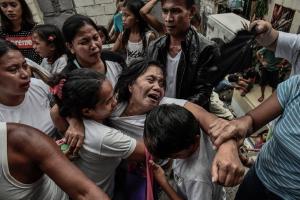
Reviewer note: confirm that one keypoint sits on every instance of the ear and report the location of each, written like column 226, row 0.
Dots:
column 130, row 88
column 52, row 47
column 197, row 141
column 70, row 47
column 87, row 112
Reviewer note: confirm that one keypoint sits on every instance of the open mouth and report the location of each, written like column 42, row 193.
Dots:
column 154, row 97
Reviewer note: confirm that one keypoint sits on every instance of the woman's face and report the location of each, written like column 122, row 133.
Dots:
column 105, row 106
column 86, row 46
column 14, row 76
column 12, row 9
column 148, row 89
column 128, row 18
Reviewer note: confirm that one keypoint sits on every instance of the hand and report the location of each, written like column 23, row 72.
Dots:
column 222, row 130
column 74, row 135
column 227, row 169
column 266, row 34
column 158, row 173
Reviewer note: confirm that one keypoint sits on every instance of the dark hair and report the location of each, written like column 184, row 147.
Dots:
column 79, row 91
column 170, row 129
column 27, row 19
column 188, row 3
column 233, row 78
column 134, row 6
column 105, row 32
column 5, row 46
column 129, row 75
column 52, row 36
column 71, row 27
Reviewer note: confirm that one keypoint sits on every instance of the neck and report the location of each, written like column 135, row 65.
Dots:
column 16, row 25
column 98, row 66
column 11, row 100
column 135, row 29
column 133, row 109
column 176, row 40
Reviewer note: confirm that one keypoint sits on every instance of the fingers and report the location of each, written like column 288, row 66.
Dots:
column 228, row 175
column 214, row 172
column 78, row 145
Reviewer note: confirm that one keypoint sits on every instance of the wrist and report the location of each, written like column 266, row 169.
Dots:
column 248, row 120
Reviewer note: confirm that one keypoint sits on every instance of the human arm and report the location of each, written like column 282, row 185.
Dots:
column 222, row 130
column 227, row 168
column 266, row 35
column 118, row 43
column 150, row 19
column 161, row 179
column 201, row 82
column 41, row 153
column 72, row 127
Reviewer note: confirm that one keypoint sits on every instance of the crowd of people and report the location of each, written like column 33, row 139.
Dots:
column 139, row 115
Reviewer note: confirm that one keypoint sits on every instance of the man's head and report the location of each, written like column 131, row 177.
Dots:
column 171, row 131
column 177, row 15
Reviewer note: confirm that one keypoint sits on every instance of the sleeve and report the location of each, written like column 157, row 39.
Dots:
column 203, row 85
column 61, row 64
column 287, row 90
column 288, row 46
column 117, row 144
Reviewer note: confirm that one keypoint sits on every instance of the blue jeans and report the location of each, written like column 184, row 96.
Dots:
column 253, row 189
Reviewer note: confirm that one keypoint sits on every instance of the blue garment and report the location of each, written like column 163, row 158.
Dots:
column 118, row 23
column 278, row 164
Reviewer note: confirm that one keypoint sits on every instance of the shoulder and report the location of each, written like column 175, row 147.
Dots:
column 113, row 57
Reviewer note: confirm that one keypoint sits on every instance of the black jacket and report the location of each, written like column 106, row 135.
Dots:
column 193, row 73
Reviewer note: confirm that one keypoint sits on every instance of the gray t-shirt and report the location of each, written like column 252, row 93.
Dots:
column 193, row 175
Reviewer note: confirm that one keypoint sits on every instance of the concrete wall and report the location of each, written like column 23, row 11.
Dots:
column 37, row 14
column 293, row 4
column 101, row 11
column 56, row 11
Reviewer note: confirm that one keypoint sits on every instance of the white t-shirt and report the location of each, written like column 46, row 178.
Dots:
column 193, row 175
column 101, row 153
column 136, row 50
column 172, row 66
column 57, row 66
column 133, row 126
column 114, row 69
column 288, row 47
column 33, row 111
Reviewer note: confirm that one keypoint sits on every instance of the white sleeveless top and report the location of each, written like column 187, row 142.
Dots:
column 12, row 189
column 136, row 50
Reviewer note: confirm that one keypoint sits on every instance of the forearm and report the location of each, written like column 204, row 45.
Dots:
column 59, row 122
column 265, row 112
column 205, row 118
column 148, row 7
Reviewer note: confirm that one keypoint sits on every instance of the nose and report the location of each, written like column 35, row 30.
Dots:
column 95, row 44
column 9, row 8
column 168, row 17
column 24, row 72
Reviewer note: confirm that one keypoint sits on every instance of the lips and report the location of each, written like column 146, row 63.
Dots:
column 154, row 97
column 25, row 85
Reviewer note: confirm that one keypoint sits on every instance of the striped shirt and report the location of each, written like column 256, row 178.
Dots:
column 278, row 164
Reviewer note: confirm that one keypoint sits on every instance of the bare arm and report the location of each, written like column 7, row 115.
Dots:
column 222, row 130
column 118, row 44
column 150, row 19
column 72, row 127
column 161, row 179
column 267, row 36
column 139, row 152
column 43, row 152
column 227, row 168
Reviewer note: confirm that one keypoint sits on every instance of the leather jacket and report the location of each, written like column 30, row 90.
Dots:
column 197, row 57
